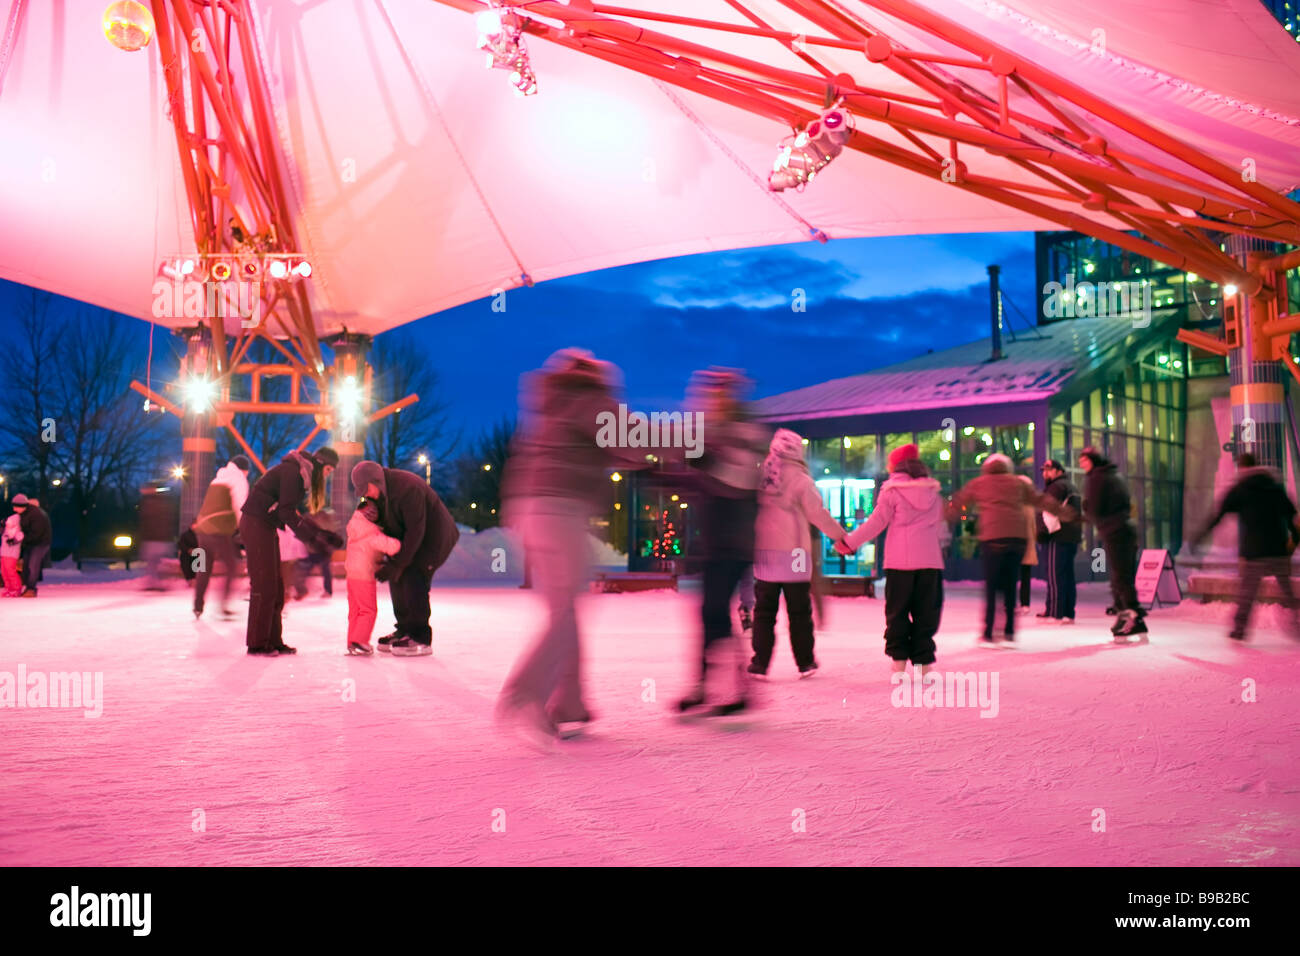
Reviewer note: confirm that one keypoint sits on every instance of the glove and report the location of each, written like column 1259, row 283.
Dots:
column 386, row 571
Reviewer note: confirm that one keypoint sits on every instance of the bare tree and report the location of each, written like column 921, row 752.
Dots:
column 105, row 442
column 28, row 366
column 477, row 485
column 402, row 366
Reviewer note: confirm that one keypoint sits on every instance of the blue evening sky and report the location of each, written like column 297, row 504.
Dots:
column 869, row 302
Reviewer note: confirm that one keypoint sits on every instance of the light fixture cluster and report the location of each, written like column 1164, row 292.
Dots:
column 501, row 35
column 225, row 267
column 802, row 155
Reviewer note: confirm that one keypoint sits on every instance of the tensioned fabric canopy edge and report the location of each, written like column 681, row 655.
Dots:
column 420, row 181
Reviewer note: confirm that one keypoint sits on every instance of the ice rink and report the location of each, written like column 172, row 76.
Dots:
column 1177, row 752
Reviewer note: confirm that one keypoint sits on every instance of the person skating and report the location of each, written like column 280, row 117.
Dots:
column 273, row 503
column 1061, row 540
column 557, row 472
column 37, row 538
column 410, row 511
column 787, row 501
column 727, row 476
column 367, row 545
column 292, row 551
column 1266, row 538
column 1029, row 560
column 215, row 527
column 1106, row 503
column 320, row 558
column 746, row 602
column 909, row 512
column 1000, row 497
column 11, row 552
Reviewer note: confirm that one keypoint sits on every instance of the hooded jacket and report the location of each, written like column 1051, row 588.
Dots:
column 223, row 502
column 1106, row 499
column 1265, row 515
column 367, row 544
column 36, row 528
column 909, row 512
column 787, row 501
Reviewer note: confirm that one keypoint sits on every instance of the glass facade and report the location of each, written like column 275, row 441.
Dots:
column 1138, row 419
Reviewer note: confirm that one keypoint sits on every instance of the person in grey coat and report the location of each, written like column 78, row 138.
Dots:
column 558, row 471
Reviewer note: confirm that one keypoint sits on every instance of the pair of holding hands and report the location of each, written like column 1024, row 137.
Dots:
column 843, row 548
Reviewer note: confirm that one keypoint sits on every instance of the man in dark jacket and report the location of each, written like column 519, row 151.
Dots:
column 37, row 538
column 411, row 512
column 1060, row 539
column 1266, row 537
column 1107, row 505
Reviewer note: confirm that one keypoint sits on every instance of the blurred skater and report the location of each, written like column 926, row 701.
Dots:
column 272, row 504
column 1061, row 538
column 783, row 547
column 159, row 520
column 550, row 488
column 320, row 557
column 214, row 531
column 367, row 545
column 1106, row 503
column 1030, row 559
column 727, row 475
column 910, row 513
column 1000, row 497
column 746, row 590
column 1266, row 538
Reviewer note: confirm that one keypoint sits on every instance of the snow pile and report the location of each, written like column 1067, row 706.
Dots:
column 497, row 555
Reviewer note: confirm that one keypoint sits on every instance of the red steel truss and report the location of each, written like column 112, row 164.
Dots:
column 1180, row 208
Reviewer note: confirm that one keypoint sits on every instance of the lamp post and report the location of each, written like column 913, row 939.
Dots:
column 428, row 469
column 5, row 486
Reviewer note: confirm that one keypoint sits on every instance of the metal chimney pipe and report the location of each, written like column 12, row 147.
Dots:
column 995, row 312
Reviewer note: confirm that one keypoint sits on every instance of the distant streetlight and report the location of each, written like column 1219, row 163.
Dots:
column 178, row 472
column 487, row 467
column 56, row 482
column 428, row 469
column 616, row 477
column 6, row 487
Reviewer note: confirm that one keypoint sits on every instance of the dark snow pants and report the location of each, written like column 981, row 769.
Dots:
column 913, row 605
column 798, row 612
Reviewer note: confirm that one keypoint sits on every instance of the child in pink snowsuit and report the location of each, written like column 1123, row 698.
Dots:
column 366, row 545
column 11, row 548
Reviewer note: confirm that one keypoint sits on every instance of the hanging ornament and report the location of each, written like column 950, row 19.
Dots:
column 128, row 25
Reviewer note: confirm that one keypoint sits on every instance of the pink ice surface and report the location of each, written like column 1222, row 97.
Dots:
column 1142, row 755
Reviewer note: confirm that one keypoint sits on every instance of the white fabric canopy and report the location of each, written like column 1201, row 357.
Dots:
column 420, row 181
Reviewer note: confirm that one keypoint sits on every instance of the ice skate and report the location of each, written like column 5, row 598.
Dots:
column 408, row 647
column 746, row 619
column 808, row 671
column 360, row 650
column 695, row 698
column 286, row 649
column 757, row 672
column 263, row 652
column 528, row 722
column 385, row 643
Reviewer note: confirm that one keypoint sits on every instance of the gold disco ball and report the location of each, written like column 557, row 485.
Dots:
column 128, row 25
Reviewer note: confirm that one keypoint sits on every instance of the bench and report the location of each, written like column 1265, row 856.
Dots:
column 605, row 582
column 849, row 586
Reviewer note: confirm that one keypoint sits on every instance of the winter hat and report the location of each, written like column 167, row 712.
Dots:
column 996, row 464
column 326, row 455
column 368, row 473
column 576, row 360
column 786, row 446
column 901, row 454
column 241, row 462
column 20, row 501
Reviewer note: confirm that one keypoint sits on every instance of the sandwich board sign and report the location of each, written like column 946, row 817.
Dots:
column 1156, row 581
